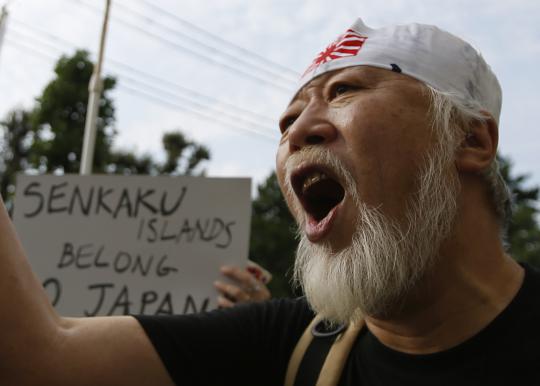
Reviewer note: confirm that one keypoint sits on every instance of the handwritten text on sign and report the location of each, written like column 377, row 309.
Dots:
column 109, row 245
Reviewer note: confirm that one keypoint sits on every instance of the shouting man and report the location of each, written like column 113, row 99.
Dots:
column 387, row 161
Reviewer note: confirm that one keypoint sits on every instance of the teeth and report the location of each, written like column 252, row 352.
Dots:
column 312, row 179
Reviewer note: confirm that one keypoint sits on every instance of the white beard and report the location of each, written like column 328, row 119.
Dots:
column 385, row 260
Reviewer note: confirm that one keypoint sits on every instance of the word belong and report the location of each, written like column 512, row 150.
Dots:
column 89, row 256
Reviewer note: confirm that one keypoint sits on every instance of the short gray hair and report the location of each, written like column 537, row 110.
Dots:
column 451, row 119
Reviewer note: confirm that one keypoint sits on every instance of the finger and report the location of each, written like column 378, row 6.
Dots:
column 223, row 302
column 262, row 294
column 254, row 288
column 259, row 291
column 231, row 291
column 239, row 275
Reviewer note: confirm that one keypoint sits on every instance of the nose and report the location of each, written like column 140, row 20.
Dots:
column 312, row 127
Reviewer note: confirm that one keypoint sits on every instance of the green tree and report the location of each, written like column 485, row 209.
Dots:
column 127, row 163
column 183, row 155
column 523, row 234
column 58, row 118
column 16, row 133
column 273, row 242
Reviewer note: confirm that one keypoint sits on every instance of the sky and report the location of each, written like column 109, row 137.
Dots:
column 177, row 66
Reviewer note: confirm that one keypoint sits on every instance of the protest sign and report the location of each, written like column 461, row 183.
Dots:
column 112, row 245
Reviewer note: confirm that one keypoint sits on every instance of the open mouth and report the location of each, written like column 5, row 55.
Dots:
column 318, row 191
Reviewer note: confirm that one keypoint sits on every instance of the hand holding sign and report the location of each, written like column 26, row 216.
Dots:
column 245, row 287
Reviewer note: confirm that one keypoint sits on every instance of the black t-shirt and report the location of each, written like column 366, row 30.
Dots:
column 251, row 344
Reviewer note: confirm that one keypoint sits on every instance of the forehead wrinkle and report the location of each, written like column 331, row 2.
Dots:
column 304, row 92
column 363, row 71
column 373, row 74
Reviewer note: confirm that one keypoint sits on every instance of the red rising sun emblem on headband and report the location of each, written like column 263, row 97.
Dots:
column 347, row 44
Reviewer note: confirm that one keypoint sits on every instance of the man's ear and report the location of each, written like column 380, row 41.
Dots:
column 479, row 147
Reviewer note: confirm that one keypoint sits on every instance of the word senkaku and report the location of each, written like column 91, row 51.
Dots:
column 97, row 200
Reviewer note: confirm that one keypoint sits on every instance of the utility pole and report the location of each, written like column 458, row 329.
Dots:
column 94, row 88
column 3, row 22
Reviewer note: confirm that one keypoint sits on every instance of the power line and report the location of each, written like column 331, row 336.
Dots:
column 219, row 39
column 31, row 50
column 151, row 80
column 192, row 92
column 195, row 105
column 189, row 51
column 187, row 91
column 218, row 49
column 149, row 96
column 175, row 106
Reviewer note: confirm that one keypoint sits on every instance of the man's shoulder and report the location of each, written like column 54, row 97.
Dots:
column 286, row 310
column 516, row 336
column 523, row 313
column 527, row 297
column 531, row 270
column 531, row 282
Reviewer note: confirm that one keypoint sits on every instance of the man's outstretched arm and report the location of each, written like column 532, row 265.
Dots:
column 38, row 347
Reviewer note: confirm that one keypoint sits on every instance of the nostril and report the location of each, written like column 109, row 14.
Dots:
column 314, row 139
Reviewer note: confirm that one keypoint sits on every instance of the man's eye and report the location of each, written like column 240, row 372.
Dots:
column 342, row 89
column 286, row 123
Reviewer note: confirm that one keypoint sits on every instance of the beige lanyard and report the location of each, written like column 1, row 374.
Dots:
column 335, row 360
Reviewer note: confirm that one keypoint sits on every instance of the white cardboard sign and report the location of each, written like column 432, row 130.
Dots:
column 110, row 245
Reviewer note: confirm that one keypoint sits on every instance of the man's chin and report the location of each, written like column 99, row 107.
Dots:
column 335, row 241
column 322, row 275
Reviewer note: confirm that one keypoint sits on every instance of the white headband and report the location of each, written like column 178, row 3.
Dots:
column 425, row 52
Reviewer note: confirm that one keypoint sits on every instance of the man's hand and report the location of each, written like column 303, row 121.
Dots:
column 246, row 288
